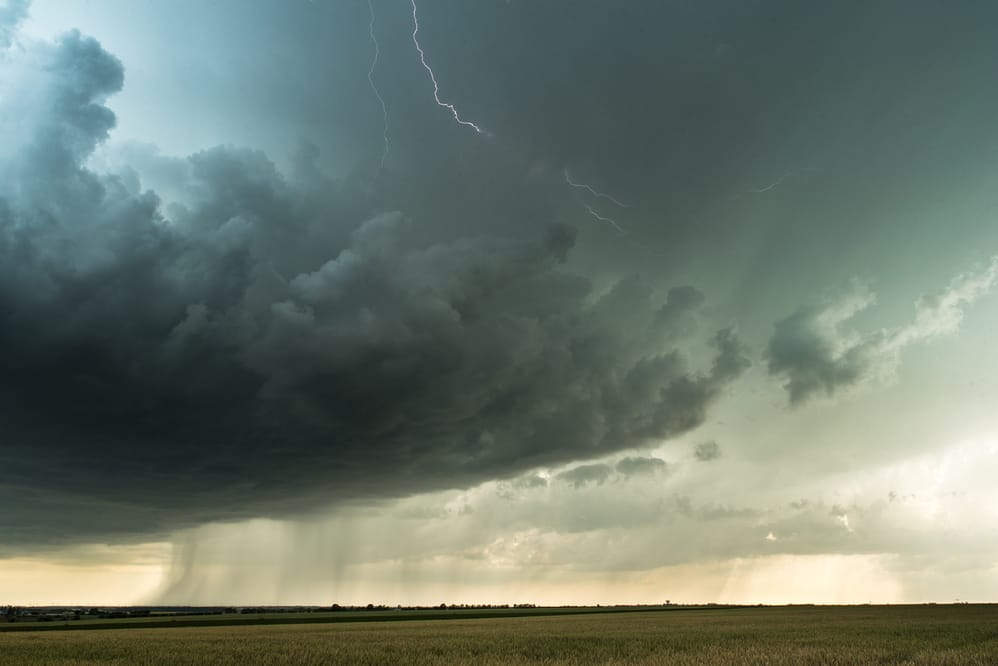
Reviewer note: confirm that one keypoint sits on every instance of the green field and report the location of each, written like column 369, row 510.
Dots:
column 962, row 634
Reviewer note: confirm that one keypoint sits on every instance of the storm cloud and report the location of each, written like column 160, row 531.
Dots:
column 238, row 358
column 272, row 343
column 639, row 466
column 817, row 354
column 706, row 451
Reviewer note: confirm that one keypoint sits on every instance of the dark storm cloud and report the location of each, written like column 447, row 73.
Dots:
column 810, row 349
column 267, row 345
column 600, row 473
column 675, row 315
column 583, row 475
column 691, row 111
column 817, row 353
column 705, row 451
column 637, row 466
column 530, row 481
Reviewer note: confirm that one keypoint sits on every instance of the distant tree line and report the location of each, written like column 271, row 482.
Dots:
column 443, row 606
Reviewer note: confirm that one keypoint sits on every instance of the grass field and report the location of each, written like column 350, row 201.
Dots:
column 966, row 634
column 312, row 617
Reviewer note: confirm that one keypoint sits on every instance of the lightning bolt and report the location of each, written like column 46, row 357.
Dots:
column 433, row 78
column 779, row 181
column 595, row 193
column 467, row 123
column 597, row 216
column 599, row 195
column 774, row 184
column 276, row 273
column 377, row 93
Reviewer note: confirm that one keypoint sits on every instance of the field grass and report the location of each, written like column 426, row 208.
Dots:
column 771, row 635
column 312, row 617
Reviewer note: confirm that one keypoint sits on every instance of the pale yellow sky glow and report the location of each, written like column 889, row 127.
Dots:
column 125, row 575
column 773, row 580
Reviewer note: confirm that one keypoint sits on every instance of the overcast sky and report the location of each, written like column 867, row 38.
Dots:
column 655, row 300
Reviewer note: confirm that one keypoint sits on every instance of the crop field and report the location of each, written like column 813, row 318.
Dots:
column 961, row 634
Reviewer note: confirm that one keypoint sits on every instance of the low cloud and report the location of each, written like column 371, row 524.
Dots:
column 638, row 466
column 817, row 353
column 530, row 481
column 582, row 475
column 705, row 451
column 676, row 314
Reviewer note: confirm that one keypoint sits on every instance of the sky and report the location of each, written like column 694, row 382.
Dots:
column 571, row 302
